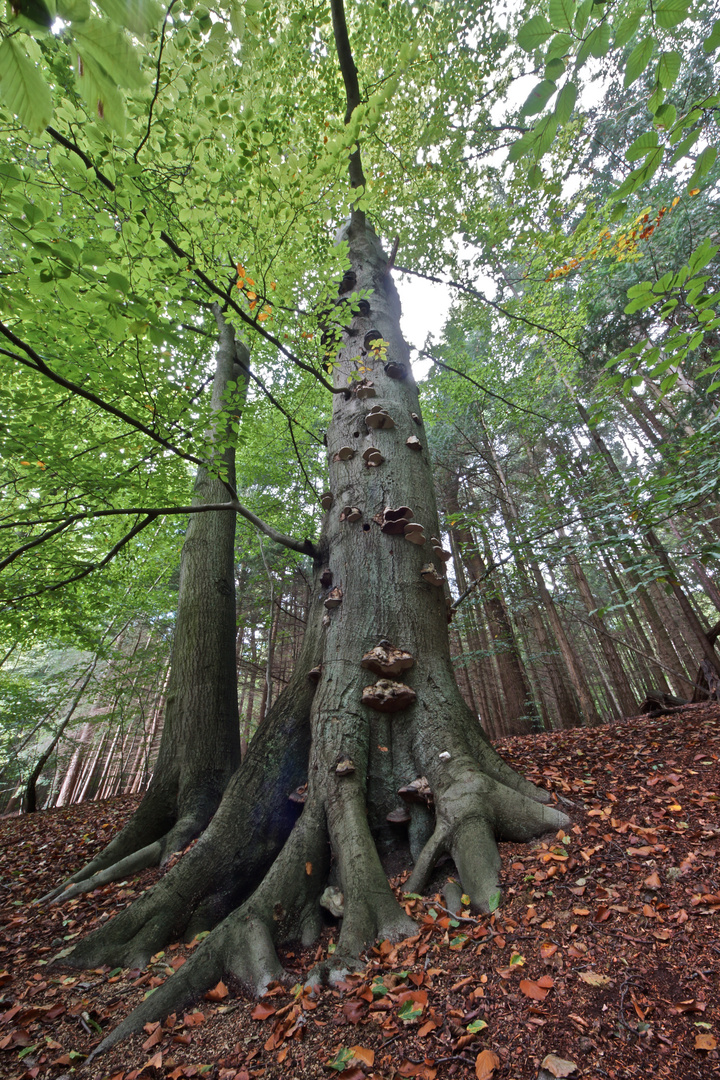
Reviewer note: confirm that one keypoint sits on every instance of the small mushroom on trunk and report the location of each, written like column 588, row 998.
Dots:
column 430, row 574
column 379, row 420
column 334, row 598
column 386, row 695
column 372, row 457
column 326, row 500
column 350, row 513
column 345, row 767
column 415, row 533
column 414, row 443
column 394, row 521
column 385, row 659
column 326, row 578
column 395, row 370
column 399, row 816
column 299, row 795
column 344, row 454
column 365, row 389
column 315, row 673
column 416, row 418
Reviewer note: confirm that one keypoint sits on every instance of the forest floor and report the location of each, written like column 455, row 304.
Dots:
column 603, row 961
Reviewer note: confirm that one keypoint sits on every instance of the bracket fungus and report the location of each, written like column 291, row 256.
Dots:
column 385, row 659
column 395, row 370
column 348, row 282
column 299, row 795
column 429, row 573
column 394, row 521
column 379, row 420
column 372, row 457
column 344, row 454
column 440, row 550
column 415, row 533
column 365, row 389
column 334, row 598
column 416, row 418
column 399, row 816
column 350, row 513
column 414, row 443
column 315, row 673
column 345, row 767
column 386, row 695
column 326, row 500
column 326, row 578
column 373, row 340
column 418, row 791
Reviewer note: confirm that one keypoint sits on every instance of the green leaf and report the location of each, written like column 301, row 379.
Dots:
column 22, row 86
column 582, row 16
column 535, row 177
column 534, row 33
column 626, row 28
column 639, row 148
column 112, row 50
column 712, row 41
column 494, row 901
column 539, row 97
column 99, row 91
column 341, row 1059
column 665, row 116
column 475, row 1026
column 555, row 69
column 73, row 10
column 410, row 1011
column 140, row 16
column 545, row 133
column 670, row 13
column 703, row 165
column 598, row 41
column 559, row 46
column 562, row 13
column 668, row 68
column 701, row 256
column 638, row 60
column 686, row 145
column 565, row 103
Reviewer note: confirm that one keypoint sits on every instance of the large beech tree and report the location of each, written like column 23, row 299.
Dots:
column 235, row 166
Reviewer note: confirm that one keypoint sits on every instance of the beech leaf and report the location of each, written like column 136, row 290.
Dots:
column 486, row 1063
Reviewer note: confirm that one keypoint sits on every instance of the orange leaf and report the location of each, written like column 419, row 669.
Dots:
column 154, row 1039
column 218, row 992
column 705, row 1042
column 427, row 1027
column 485, row 1064
column 533, row 990
column 653, row 881
column 261, row 1012
column 363, row 1054
column 308, row 868
column 155, row 1062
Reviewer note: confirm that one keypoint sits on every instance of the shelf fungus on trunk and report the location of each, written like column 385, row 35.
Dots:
column 326, row 578
column 350, row 513
column 414, row 443
column 299, row 795
column 395, row 370
column 386, row 695
column 400, row 816
column 415, row 533
column 386, row 660
column 372, row 457
column 315, row 673
column 345, row 453
column 440, row 550
column 334, row 598
column 378, row 419
column 416, row 418
column 418, row 791
column 345, row 767
column 373, row 341
column 429, row 573
column 365, row 390
column 393, row 522
column 326, row 500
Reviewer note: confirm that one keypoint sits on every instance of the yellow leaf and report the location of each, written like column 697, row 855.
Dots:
column 363, row 1054
column 705, row 1042
column 695, row 191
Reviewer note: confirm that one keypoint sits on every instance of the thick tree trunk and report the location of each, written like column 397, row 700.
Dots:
column 360, row 756
column 200, row 744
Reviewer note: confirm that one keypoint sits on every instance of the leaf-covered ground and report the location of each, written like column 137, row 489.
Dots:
column 602, row 962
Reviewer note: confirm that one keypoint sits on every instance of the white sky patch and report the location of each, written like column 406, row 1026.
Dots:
column 425, row 309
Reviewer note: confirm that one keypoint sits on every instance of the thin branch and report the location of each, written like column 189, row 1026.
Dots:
column 146, row 136
column 350, row 79
column 485, row 389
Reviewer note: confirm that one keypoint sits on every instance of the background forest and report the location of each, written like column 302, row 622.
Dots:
column 551, row 171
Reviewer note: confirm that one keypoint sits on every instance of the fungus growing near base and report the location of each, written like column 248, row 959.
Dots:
column 334, row 598
column 350, row 513
column 415, row 533
column 385, row 659
column 333, row 901
column 326, row 578
column 326, row 500
column 440, row 550
column 418, row 791
column 416, row 418
column 394, row 521
column 429, row 573
column 395, row 370
column 345, row 767
column 400, row 816
column 379, row 420
column 299, row 795
column 372, row 457
column 388, row 696
column 344, row 454
column 315, row 673
column 413, row 442
column 365, row 389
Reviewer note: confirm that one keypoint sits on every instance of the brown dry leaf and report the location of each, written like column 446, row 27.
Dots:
column 261, row 1012
column 652, row 881
column 363, row 1055
column 705, row 1041
column 592, row 978
column 485, row 1064
column 155, row 1062
column 427, row 1027
column 533, row 990
column 547, row 950
column 308, row 868
column 218, row 992
column 558, row 1066
column 154, row 1039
